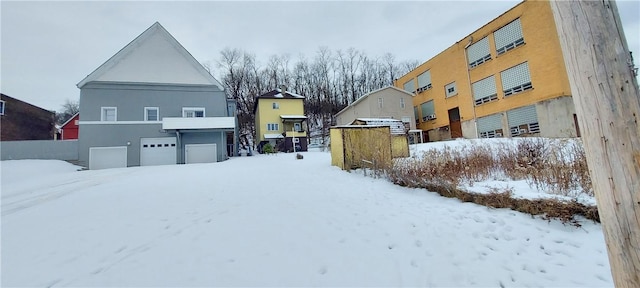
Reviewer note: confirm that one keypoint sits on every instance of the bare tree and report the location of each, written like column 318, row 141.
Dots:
column 69, row 108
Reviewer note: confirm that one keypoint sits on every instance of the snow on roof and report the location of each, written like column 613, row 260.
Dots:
column 279, row 95
column 294, row 94
column 378, row 120
column 293, row 117
column 273, row 136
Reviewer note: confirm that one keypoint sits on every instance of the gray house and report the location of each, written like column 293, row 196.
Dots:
column 387, row 102
column 152, row 103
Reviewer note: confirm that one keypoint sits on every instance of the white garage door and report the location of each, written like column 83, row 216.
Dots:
column 157, row 151
column 200, row 153
column 107, row 157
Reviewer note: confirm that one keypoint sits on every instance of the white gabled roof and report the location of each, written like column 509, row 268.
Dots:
column 153, row 57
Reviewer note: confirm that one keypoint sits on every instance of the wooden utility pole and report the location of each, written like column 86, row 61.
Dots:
column 605, row 94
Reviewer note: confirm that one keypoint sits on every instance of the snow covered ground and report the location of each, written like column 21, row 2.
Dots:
column 272, row 221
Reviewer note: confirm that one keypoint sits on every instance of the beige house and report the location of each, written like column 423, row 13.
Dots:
column 387, row 102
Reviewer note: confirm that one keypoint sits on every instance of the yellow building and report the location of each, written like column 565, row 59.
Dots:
column 506, row 79
column 279, row 116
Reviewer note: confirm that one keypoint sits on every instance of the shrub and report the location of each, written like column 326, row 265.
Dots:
column 268, row 149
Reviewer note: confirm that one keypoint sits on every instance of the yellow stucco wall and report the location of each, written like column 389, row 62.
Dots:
column 542, row 51
column 266, row 114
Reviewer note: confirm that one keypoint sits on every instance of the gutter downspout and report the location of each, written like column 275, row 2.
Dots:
column 473, row 103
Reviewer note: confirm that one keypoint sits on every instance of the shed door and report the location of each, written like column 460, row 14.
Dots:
column 107, row 157
column 157, row 151
column 200, row 153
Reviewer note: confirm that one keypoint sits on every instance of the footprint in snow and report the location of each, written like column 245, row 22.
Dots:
column 323, row 270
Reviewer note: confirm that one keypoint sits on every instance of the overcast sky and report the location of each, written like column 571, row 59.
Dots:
column 48, row 47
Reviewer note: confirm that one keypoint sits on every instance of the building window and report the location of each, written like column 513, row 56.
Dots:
column 409, row 86
column 415, row 114
column 490, row 126
column 450, row 89
column 402, row 105
column 516, row 79
column 193, row 112
column 273, row 126
column 76, row 122
column 478, row 53
column 428, row 111
column 109, row 114
column 424, row 81
column 523, row 120
column 297, row 127
column 275, row 105
column 151, row 114
column 380, row 103
column 508, row 37
column 484, row 90
column 1, row 107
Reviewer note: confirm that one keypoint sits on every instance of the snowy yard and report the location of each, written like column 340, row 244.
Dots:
column 272, row 221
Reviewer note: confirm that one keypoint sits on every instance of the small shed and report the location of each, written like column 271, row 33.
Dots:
column 357, row 146
column 398, row 132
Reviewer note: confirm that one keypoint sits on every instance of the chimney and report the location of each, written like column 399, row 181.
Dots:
column 283, row 88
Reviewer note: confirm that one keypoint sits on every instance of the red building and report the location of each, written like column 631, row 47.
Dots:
column 22, row 121
column 69, row 129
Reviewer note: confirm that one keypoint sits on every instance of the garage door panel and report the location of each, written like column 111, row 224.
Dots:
column 158, row 151
column 107, row 157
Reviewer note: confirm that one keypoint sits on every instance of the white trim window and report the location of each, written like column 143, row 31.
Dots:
column 380, row 103
column 451, row 89
column 193, row 112
column 484, row 90
column 508, row 37
column 151, row 114
column 478, row 53
column 273, row 127
column 516, row 79
column 109, row 114
column 2, row 107
column 275, row 105
column 402, row 104
column 297, row 127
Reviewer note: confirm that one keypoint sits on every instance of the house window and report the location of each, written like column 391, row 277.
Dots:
column 380, row 103
column 523, row 120
column 508, row 37
column 490, row 126
column 516, row 79
column 428, row 111
column 424, row 81
column 1, row 107
column 478, row 53
column 276, row 105
column 273, row 126
column 484, row 90
column 297, row 127
column 192, row 112
column 409, row 86
column 151, row 114
column 75, row 122
column 402, row 103
column 109, row 114
column 450, row 89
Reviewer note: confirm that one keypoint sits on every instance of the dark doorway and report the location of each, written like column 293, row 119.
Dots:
column 575, row 120
column 454, row 123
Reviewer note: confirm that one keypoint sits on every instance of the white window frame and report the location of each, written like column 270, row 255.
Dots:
column 2, row 104
column 380, row 102
column 297, row 127
column 193, row 109
column 449, row 86
column 402, row 104
column 273, row 127
column 103, row 114
column 146, row 113
column 275, row 105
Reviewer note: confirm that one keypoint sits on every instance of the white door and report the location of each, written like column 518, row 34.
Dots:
column 200, row 153
column 157, row 151
column 107, row 157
